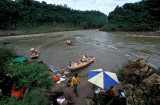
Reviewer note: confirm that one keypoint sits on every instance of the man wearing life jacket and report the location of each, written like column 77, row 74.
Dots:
column 111, row 91
column 84, row 58
column 62, row 70
column 68, row 41
column 32, row 51
column 74, row 83
column 86, row 55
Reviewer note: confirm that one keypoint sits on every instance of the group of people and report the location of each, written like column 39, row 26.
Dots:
column 80, row 61
column 110, row 94
column 69, row 42
column 33, row 51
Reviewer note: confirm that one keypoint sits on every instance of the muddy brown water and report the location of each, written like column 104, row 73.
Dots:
column 110, row 49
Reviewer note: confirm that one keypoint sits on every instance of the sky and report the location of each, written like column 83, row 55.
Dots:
column 104, row 6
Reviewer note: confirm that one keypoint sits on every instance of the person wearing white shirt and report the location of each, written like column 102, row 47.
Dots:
column 122, row 97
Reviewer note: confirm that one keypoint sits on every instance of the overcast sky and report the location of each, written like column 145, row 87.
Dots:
column 104, row 6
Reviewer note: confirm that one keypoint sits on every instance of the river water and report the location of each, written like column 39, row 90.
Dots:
column 111, row 50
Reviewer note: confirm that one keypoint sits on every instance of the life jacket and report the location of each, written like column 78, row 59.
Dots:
column 63, row 70
column 55, row 78
column 17, row 94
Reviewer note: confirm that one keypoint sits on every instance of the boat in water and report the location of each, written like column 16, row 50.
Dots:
column 69, row 42
column 34, row 55
column 78, row 64
column 131, row 34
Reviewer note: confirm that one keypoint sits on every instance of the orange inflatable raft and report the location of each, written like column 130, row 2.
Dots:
column 76, row 65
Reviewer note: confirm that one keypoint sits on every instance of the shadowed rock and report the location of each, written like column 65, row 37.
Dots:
column 141, row 83
column 6, row 82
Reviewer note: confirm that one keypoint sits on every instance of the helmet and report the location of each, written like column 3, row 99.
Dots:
column 32, row 48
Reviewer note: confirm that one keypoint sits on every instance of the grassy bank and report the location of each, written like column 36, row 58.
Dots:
column 34, row 75
column 37, row 29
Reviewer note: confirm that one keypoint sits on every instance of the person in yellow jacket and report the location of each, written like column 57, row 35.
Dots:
column 111, row 91
column 62, row 70
column 74, row 83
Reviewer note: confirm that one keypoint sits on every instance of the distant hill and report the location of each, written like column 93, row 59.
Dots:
column 139, row 16
column 25, row 13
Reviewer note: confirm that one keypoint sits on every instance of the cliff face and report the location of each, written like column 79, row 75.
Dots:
column 141, row 83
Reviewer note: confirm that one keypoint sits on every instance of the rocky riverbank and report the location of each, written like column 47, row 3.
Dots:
column 141, row 83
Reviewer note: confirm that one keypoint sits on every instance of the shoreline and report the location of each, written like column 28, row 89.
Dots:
column 135, row 32
column 17, row 33
column 20, row 33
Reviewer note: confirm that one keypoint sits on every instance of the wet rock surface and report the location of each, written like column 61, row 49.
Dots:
column 63, row 89
column 141, row 83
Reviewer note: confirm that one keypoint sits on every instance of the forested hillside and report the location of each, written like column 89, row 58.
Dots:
column 25, row 13
column 139, row 16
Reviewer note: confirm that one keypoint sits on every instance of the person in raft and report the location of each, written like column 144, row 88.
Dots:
column 84, row 57
column 33, row 51
column 68, row 41
column 85, row 54
column 74, row 83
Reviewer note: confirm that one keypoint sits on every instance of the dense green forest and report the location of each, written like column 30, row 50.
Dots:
column 139, row 16
column 30, row 13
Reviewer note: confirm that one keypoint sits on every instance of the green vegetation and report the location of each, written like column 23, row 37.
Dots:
column 32, row 98
column 6, row 54
column 34, row 75
column 31, row 14
column 139, row 16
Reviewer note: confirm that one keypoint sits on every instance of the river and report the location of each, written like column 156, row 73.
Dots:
column 111, row 50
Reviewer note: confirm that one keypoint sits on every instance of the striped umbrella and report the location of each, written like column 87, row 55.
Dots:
column 103, row 78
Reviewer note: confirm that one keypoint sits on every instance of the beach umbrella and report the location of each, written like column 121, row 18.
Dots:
column 103, row 78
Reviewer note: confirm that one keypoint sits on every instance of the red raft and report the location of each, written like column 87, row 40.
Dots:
column 69, row 42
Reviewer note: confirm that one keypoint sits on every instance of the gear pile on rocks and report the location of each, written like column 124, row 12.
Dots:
column 141, row 83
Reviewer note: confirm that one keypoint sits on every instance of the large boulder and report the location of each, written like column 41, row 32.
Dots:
column 141, row 83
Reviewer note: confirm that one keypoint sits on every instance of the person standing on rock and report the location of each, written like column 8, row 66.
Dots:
column 122, row 97
column 74, row 83
column 62, row 70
